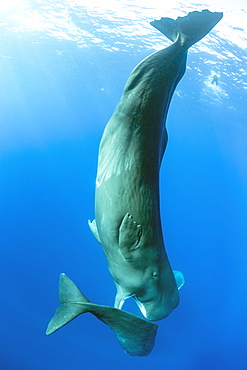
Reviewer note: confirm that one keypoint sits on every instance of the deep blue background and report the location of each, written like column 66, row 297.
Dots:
column 55, row 99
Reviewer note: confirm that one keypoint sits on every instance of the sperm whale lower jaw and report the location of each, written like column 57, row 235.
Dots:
column 141, row 306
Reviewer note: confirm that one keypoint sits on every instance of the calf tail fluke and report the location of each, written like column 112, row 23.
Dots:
column 189, row 29
column 135, row 335
column 73, row 304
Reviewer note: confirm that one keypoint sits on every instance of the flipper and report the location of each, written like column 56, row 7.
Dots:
column 190, row 29
column 179, row 277
column 129, row 236
column 93, row 227
column 135, row 335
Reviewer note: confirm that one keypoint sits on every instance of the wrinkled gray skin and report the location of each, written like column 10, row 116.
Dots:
column 127, row 186
column 127, row 211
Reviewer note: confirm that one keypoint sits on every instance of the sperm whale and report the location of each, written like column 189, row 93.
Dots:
column 127, row 198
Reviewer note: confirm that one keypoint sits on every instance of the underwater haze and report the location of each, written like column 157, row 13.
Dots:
column 63, row 66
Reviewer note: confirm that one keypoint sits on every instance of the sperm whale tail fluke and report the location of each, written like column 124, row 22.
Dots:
column 189, row 29
column 135, row 335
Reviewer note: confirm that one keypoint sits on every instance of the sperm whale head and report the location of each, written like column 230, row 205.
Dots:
column 154, row 289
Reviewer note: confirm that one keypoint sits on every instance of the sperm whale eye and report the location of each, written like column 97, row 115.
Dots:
column 155, row 274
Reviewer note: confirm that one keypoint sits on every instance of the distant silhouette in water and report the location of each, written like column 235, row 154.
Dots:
column 215, row 80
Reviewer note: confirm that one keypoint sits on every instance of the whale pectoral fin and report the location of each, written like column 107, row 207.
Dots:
column 179, row 277
column 129, row 236
column 93, row 227
column 135, row 335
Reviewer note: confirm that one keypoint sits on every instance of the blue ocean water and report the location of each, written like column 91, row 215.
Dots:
column 63, row 68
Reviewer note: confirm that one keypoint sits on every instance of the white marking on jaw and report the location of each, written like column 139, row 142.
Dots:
column 141, row 307
column 121, row 304
column 123, row 300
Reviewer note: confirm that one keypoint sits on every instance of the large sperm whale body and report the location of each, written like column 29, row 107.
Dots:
column 127, row 222
column 127, row 212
